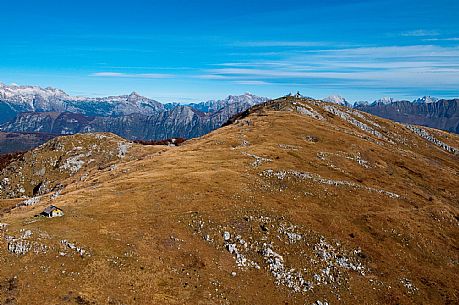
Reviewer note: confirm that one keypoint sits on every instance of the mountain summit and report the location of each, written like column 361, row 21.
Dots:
column 337, row 99
column 426, row 100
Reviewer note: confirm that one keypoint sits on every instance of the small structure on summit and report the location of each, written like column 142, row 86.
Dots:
column 52, row 211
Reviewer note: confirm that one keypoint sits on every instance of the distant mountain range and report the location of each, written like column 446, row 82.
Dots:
column 338, row 99
column 31, row 109
column 16, row 99
column 428, row 111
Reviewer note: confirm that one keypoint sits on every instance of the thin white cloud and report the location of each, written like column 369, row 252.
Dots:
column 211, row 76
column 390, row 52
column 132, row 75
column 442, row 39
column 268, row 43
column 393, row 66
column 414, row 66
column 419, row 33
column 251, row 82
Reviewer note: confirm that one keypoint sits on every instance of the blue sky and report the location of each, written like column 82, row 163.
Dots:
column 179, row 50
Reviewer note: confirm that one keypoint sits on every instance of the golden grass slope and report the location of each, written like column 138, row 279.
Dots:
column 296, row 201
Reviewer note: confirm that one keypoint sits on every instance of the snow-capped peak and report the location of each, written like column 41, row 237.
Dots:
column 134, row 94
column 385, row 100
column 134, row 98
column 215, row 105
column 31, row 98
column 246, row 97
column 24, row 93
column 425, row 100
column 337, row 99
column 34, row 98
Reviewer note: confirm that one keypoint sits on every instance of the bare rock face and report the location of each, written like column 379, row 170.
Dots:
column 442, row 114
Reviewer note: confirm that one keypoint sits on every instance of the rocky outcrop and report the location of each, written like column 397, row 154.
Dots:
column 46, row 168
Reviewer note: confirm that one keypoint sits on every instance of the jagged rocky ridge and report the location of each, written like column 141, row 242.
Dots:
column 34, row 109
column 441, row 114
column 16, row 99
column 427, row 111
column 180, row 122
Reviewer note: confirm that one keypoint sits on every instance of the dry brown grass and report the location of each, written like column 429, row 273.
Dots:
column 144, row 224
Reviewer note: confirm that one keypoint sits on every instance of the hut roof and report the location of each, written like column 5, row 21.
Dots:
column 50, row 209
